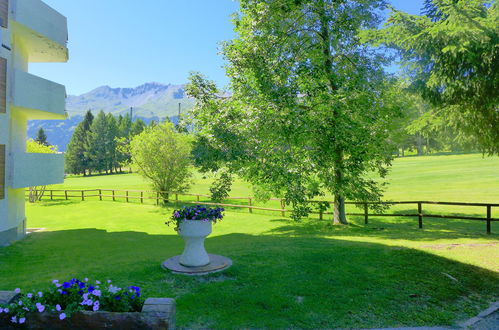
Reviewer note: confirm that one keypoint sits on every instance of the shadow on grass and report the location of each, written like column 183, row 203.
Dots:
column 405, row 228
column 276, row 281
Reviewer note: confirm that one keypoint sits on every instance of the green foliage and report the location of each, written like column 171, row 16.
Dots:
column 309, row 104
column 221, row 187
column 163, row 156
column 35, row 147
column 452, row 58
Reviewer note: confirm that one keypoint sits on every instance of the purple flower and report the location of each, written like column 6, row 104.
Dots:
column 97, row 282
column 108, row 281
column 1, row 310
column 40, row 294
column 55, row 281
column 96, row 293
column 29, row 295
column 58, row 307
column 17, row 290
column 58, row 285
column 40, row 307
column 62, row 316
column 86, row 279
column 5, row 310
column 64, row 292
column 13, row 319
column 22, row 320
column 59, row 290
column 20, row 303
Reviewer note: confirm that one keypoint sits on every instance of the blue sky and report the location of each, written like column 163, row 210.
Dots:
column 124, row 43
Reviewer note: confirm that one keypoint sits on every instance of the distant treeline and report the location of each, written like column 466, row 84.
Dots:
column 100, row 144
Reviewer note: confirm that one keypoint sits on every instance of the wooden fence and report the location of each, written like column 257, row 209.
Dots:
column 157, row 196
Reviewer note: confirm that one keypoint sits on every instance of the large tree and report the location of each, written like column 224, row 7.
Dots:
column 309, row 106
column 452, row 55
column 163, row 156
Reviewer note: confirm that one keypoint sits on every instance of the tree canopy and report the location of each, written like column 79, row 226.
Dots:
column 310, row 103
column 452, row 56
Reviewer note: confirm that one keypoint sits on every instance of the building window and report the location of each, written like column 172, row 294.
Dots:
column 2, row 171
column 3, row 85
column 4, row 13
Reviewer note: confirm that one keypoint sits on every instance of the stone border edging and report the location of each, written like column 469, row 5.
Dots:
column 483, row 314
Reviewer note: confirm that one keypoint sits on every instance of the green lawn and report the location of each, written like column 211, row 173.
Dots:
column 449, row 178
column 285, row 274
column 469, row 177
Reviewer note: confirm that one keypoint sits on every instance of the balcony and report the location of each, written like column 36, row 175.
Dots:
column 37, row 169
column 38, row 98
column 42, row 31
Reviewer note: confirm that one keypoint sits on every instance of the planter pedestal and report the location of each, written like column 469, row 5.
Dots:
column 217, row 264
column 194, row 260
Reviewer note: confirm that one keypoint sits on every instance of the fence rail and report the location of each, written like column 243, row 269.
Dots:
column 159, row 196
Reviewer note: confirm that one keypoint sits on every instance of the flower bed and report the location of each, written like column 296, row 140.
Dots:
column 85, row 304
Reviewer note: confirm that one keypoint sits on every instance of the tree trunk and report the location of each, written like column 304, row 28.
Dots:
column 403, row 151
column 166, row 197
column 339, row 216
column 428, row 145
column 419, row 141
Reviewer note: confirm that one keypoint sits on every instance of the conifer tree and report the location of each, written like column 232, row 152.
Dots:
column 41, row 137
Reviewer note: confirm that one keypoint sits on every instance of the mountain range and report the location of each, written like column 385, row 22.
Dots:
column 150, row 101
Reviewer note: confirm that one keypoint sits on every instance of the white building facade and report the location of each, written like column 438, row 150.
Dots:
column 30, row 31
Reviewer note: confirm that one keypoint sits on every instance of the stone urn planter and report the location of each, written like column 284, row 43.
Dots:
column 193, row 224
column 194, row 233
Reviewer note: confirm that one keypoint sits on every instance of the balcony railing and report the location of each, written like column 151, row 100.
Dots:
column 37, row 169
column 39, row 98
column 42, row 31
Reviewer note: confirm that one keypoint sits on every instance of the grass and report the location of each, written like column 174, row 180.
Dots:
column 451, row 178
column 285, row 274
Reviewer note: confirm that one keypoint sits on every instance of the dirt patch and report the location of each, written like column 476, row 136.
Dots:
column 453, row 246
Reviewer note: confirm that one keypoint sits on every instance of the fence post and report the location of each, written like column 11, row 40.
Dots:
column 420, row 214
column 83, row 195
column 51, row 195
column 197, row 198
column 320, row 213
column 141, row 197
column 176, row 197
column 366, row 214
column 66, row 194
column 489, row 217
column 126, row 195
column 250, row 204
column 114, row 198
column 100, row 194
column 282, row 207
column 157, row 198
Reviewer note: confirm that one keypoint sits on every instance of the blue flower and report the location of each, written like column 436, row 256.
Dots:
column 117, row 297
column 90, row 289
column 66, row 285
column 81, row 285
